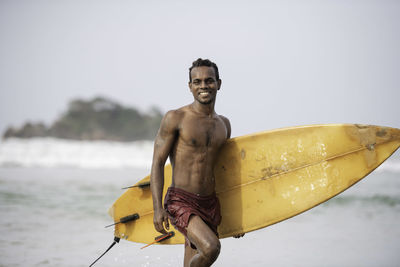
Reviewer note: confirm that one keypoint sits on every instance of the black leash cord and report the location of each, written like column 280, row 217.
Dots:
column 116, row 240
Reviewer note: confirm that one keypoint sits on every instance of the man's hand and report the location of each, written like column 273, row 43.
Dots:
column 161, row 218
column 238, row 235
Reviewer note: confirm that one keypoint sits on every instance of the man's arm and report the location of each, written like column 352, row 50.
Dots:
column 227, row 125
column 162, row 148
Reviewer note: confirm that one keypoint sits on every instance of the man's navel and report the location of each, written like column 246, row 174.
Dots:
column 194, row 142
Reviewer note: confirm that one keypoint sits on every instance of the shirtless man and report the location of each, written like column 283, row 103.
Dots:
column 191, row 136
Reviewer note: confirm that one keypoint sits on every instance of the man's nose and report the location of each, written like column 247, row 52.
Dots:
column 203, row 84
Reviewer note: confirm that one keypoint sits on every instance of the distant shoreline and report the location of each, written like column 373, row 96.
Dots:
column 97, row 119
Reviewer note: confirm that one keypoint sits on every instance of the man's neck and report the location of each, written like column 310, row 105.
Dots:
column 204, row 109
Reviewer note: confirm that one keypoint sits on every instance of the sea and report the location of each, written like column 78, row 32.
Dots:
column 54, row 197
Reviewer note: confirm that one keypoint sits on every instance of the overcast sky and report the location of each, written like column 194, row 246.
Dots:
column 282, row 63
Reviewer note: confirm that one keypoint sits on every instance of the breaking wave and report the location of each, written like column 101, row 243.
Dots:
column 51, row 152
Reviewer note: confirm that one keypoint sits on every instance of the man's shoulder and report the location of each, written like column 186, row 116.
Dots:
column 176, row 113
column 225, row 120
column 174, row 116
column 227, row 124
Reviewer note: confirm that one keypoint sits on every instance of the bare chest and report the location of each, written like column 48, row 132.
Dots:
column 203, row 132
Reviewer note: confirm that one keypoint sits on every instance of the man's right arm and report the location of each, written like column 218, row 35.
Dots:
column 162, row 148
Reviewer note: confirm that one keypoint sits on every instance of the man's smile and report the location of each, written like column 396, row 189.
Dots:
column 204, row 93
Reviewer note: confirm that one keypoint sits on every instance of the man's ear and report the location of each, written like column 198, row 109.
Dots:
column 219, row 84
column 190, row 85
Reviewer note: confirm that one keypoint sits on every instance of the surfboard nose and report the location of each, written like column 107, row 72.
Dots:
column 371, row 135
column 396, row 133
column 387, row 134
column 379, row 141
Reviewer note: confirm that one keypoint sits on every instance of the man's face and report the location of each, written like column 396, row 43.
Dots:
column 204, row 84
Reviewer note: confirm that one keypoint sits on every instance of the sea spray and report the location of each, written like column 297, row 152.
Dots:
column 51, row 152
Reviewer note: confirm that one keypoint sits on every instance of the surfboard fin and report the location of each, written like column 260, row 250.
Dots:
column 143, row 185
column 116, row 240
column 160, row 238
column 126, row 219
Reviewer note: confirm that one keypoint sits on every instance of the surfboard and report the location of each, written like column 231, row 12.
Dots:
column 267, row 177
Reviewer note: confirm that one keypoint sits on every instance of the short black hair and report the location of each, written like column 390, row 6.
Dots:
column 203, row 62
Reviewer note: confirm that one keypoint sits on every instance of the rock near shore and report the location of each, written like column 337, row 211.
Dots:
column 96, row 119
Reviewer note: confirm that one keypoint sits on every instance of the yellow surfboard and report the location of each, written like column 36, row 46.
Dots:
column 267, row 177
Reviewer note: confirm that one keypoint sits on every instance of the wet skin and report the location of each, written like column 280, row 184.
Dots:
column 192, row 137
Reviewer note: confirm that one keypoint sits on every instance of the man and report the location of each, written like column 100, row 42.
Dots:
column 191, row 136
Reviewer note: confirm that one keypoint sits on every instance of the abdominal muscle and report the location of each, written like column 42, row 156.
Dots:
column 194, row 169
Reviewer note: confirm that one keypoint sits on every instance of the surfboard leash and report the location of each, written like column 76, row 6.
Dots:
column 116, row 240
column 125, row 219
column 156, row 240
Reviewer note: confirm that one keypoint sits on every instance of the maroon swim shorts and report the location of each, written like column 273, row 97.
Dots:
column 181, row 204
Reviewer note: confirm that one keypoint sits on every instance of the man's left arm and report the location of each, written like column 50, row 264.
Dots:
column 227, row 126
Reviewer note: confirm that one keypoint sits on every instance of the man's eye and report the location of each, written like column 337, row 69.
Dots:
column 210, row 81
column 196, row 82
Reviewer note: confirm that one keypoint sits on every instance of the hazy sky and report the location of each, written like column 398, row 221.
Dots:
column 282, row 63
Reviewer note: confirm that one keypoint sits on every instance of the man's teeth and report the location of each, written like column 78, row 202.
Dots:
column 204, row 93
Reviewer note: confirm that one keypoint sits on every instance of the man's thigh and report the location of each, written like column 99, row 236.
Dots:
column 200, row 234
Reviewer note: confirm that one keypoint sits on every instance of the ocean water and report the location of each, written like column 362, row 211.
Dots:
column 54, row 197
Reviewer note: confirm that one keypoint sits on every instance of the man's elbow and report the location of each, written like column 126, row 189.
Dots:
column 157, row 166
column 158, row 163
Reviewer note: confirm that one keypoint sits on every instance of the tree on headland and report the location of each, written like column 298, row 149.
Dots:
column 96, row 119
column 28, row 130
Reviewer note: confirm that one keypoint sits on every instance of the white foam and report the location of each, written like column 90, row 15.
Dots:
column 51, row 152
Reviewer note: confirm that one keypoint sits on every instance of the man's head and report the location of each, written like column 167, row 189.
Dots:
column 203, row 63
column 204, row 81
